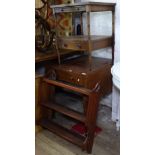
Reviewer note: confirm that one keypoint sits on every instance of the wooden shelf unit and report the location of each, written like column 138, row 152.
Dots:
column 89, row 117
column 87, row 43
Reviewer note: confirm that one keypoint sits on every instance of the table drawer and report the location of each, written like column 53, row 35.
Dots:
column 72, row 45
column 70, row 9
column 73, row 78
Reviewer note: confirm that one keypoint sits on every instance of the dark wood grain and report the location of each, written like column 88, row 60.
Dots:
column 77, row 72
column 68, row 86
column 64, row 110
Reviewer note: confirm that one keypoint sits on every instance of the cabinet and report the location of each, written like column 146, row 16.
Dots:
column 77, row 72
column 86, row 75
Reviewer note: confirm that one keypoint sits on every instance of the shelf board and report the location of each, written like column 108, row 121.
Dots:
column 81, row 42
column 66, row 111
column 52, row 55
column 81, row 65
column 85, row 37
column 62, row 132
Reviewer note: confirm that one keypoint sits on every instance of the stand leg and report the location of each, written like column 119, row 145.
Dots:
column 89, row 40
column 91, row 120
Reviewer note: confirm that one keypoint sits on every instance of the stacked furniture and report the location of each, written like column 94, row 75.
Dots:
column 88, row 76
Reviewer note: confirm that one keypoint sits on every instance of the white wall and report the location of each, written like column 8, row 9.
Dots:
column 117, row 32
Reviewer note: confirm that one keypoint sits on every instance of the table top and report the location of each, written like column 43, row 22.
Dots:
column 82, row 65
column 83, row 4
column 40, row 57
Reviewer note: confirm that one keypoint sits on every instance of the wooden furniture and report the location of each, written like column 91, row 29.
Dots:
column 89, row 118
column 76, row 72
column 90, row 77
column 87, row 43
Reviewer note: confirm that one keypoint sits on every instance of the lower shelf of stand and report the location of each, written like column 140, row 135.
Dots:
column 62, row 132
column 66, row 111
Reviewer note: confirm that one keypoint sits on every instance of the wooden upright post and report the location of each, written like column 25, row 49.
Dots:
column 89, row 37
column 56, row 36
column 91, row 116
